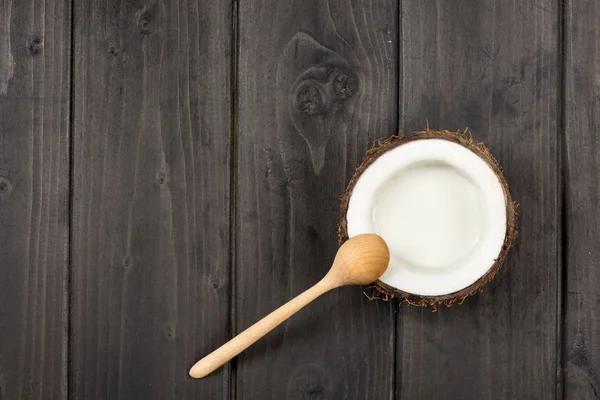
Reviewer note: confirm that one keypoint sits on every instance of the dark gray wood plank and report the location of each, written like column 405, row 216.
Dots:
column 151, row 197
column 582, row 201
column 491, row 66
column 34, row 198
column 317, row 84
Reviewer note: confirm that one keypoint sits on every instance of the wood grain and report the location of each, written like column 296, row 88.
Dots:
column 491, row 66
column 34, row 198
column 317, row 83
column 151, row 197
column 581, row 155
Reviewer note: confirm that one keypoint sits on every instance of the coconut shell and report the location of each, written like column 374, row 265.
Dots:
column 481, row 151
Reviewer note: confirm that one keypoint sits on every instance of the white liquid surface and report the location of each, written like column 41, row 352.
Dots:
column 440, row 208
column 429, row 214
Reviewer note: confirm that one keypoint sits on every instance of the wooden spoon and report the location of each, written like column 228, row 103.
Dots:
column 359, row 261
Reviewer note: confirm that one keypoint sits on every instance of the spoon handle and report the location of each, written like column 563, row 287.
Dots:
column 245, row 339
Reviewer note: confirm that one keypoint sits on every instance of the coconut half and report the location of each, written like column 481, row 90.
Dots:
column 442, row 205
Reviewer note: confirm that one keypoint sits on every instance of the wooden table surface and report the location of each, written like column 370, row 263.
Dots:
column 170, row 171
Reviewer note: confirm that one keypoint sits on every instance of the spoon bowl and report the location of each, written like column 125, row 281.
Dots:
column 361, row 260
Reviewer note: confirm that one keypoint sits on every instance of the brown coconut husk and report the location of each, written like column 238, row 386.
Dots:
column 386, row 292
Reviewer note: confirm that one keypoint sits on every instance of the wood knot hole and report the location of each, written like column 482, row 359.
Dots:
column 310, row 99
column 113, row 50
column 145, row 24
column 307, row 384
column 127, row 263
column 345, row 85
column 214, row 281
column 5, row 186
column 170, row 334
column 34, row 45
column 161, row 178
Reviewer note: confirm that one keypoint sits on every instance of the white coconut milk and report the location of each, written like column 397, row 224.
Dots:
column 429, row 214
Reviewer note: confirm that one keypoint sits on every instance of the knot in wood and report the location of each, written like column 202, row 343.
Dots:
column 161, row 178
column 345, row 85
column 145, row 24
column 34, row 45
column 214, row 281
column 170, row 334
column 5, row 186
column 310, row 99
column 308, row 383
column 112, row 49
column 127, row 263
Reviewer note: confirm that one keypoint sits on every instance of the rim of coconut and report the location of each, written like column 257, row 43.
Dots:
column 460, row 138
